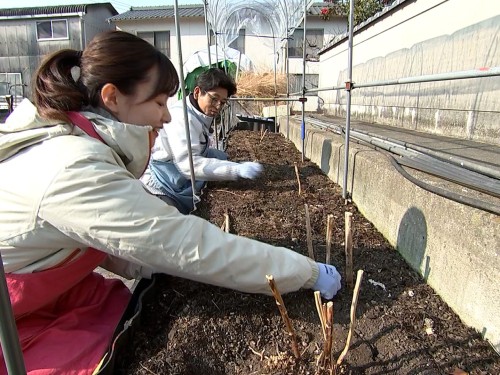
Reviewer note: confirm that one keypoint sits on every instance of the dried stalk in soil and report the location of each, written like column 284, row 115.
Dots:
column 298, row 177
column 308, row 231
column 329, row 233
column 263, row 135
column 327, row 356
column 353, row 316
column 348, row 249
column 284, row 315
column 226, row 222
column 319, row 308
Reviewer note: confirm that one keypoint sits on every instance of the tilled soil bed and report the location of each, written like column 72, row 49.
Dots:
column 402, row 326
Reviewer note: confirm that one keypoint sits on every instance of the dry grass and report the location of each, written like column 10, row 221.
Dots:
column 259, row 85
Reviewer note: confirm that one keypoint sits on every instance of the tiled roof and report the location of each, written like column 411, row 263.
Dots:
column 55, row 9
column 195, row 10
column 143, row 13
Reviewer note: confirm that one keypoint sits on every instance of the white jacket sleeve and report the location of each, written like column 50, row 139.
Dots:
column 99, row 204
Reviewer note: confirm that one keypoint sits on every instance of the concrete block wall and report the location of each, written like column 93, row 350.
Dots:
column 456, row 248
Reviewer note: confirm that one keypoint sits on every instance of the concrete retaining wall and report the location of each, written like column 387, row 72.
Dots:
column 455, row 248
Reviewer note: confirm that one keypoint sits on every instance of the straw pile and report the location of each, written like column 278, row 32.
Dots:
column 260, row 85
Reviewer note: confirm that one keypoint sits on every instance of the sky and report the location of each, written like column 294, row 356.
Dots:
column 120, row 5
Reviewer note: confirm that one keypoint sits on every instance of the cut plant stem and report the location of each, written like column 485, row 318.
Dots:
column 329, row 233
column 308, row 231
column 298, row 177
column 354, row 303
column 348, row 249
column 284, row 315
column 327, row 358
column 226, row 222
column 263, row 135
column 319, row 308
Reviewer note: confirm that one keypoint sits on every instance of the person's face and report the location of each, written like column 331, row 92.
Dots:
column 212, row 101
column 137, row 109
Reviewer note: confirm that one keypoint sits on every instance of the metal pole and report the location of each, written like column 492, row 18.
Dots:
column 462, row 74
column 287, row 62
column 275, row 82
column 303, row 127
column 348, row 102
column 216, row 51
column 207, row 31
column 279, row 98
column 9, row 339
column 196, row 199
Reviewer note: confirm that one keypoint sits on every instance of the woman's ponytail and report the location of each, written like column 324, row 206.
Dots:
column 56, row 86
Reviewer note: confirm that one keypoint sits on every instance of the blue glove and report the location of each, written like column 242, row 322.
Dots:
column 249, row 170
column 328, row 282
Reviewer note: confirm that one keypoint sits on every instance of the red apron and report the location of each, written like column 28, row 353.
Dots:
column 66, row 316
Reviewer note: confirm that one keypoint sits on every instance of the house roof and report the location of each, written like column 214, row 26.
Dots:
column 195, row 10
column 55, row 9
column 142, row 13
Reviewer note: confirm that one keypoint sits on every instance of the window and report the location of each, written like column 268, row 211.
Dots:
column 311, row 83
column 239, row 42
column 314, row 40
column 159, row 39
column 54, row 29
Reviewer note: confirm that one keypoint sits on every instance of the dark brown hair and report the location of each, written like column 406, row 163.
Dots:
column 116, row 57
column 214, row 77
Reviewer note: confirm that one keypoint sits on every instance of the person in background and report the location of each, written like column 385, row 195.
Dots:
column 73, row 201
column 169, row 173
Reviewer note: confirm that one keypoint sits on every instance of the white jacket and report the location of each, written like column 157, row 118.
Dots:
column 171, row 146
column 62, row 191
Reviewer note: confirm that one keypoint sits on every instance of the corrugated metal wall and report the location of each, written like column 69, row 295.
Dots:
column 20, row 52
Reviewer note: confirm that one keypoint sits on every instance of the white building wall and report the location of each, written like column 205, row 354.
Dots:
column 258, row 49
column 192, row 32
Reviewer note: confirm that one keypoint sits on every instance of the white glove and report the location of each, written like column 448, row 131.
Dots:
column 249, row 170
column 328, row 282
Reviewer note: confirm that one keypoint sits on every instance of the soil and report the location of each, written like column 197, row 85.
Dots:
column 402, row 325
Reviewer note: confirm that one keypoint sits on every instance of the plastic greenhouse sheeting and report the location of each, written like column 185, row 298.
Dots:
column 277, row 18
column 227, row 59
column 200, row 58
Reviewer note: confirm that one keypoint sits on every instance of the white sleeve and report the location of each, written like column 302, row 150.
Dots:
column 174, row 140
column 118, row 216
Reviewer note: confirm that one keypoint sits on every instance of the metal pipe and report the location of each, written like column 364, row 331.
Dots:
column 464, row 74
column 287, row 68
column 279, row 99
column 303, row 125
column 83, row 41
column 183, row 90
column 216, row 51
column 9, row 338
column 237, row 74
column 207, row 32
column 275, row 82
column 348, row 103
